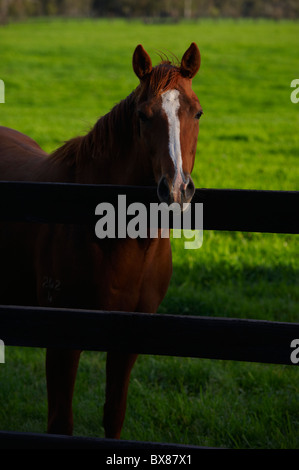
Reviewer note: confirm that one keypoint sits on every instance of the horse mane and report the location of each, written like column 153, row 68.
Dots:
column 103, row 140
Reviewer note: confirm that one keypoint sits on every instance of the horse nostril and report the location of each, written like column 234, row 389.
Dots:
column 163, row 190
column 189, row 190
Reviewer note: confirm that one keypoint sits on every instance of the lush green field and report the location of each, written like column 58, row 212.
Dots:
column 60, row 76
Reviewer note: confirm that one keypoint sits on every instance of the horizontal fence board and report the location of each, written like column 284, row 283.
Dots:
column 249, row 210
column 171, row 335
column 223, row 209
column 20, row 440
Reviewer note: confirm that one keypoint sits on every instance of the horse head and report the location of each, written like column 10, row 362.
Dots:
column 167, row 116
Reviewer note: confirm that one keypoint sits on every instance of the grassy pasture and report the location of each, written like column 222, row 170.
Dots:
column 60, row 76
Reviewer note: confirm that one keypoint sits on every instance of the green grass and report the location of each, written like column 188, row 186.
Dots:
column 60, row 76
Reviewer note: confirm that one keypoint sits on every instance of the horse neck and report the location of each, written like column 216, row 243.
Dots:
column 114, row 145
column 108, row 154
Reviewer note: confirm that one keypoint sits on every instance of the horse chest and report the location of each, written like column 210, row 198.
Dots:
column 136, row 275
column 121, row 275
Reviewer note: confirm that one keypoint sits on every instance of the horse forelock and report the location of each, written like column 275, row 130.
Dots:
column 163, row 77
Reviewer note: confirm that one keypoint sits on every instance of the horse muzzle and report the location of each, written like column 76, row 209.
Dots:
column 181, row 193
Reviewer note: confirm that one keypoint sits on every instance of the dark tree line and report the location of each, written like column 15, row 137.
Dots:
column 150, row 8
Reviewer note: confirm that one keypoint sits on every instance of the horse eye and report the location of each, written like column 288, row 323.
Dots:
column 198, row 115
column 142, row 116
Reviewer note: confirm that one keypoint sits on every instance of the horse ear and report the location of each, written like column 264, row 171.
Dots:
column 191, row 61
column 142, row 63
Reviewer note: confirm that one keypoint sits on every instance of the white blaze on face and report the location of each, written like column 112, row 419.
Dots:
column 171, row 105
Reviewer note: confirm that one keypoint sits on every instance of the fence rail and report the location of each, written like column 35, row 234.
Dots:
column 35, row 441
column 173, row 335
column 223, row 209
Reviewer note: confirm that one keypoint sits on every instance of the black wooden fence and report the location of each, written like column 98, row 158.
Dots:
column 173, row 335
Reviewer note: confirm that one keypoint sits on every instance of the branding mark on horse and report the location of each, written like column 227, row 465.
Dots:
column 50, row 286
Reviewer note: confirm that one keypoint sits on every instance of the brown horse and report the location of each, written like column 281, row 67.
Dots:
column 148, row 138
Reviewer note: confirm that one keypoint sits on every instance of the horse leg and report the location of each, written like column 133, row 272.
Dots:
column 61, row 370
column 118, row 370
